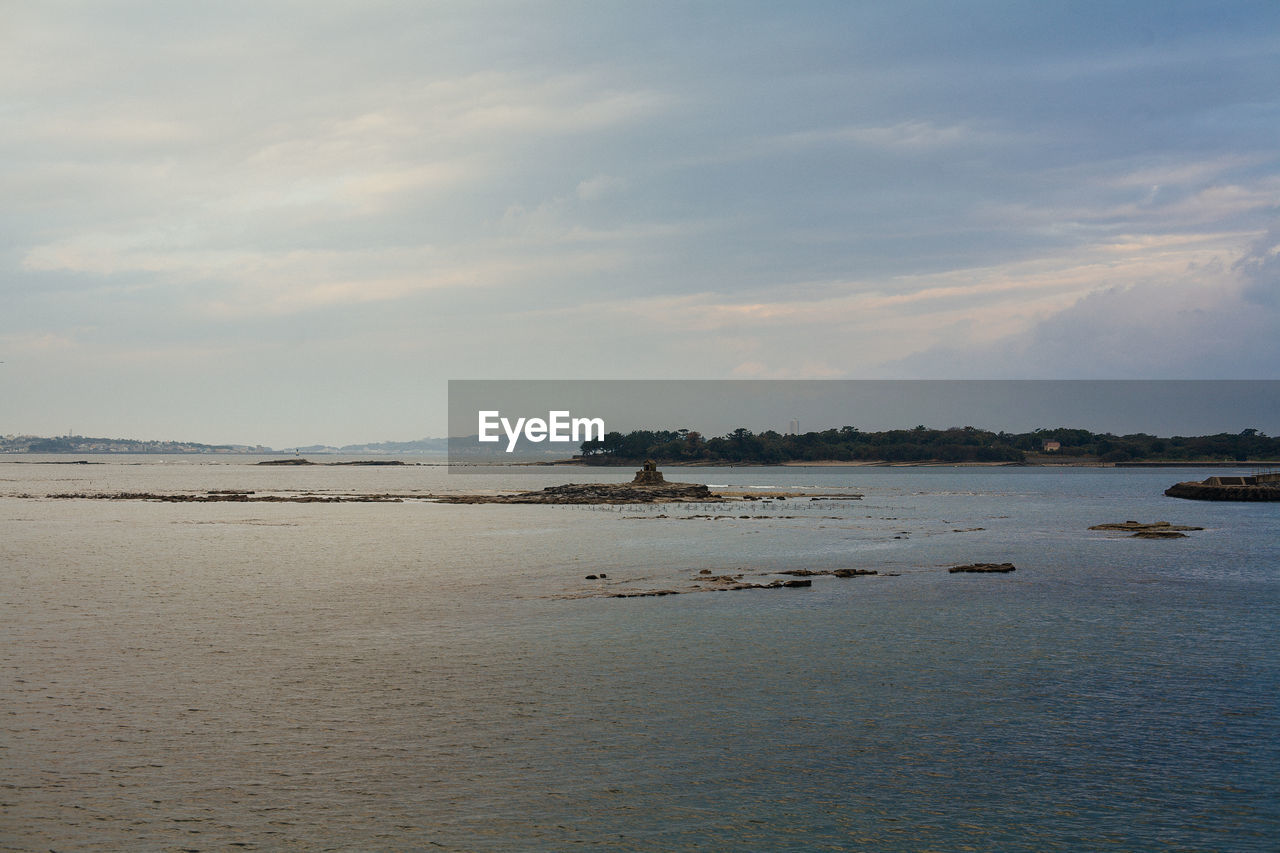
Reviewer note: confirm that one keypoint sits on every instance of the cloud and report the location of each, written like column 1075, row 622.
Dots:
column 906, row 138
column 1205, row 321
column 599, row 186
column 1259, row 270
column 773, row 191
column 37, row 345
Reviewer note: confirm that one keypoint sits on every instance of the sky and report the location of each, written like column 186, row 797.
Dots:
column 292, row 223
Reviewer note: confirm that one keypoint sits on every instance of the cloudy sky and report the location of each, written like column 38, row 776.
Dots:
column 292, row 222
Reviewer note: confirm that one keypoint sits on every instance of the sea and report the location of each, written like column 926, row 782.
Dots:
column 415, row 675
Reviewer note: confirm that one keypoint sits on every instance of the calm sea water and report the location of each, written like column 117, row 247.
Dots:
column 422, row 676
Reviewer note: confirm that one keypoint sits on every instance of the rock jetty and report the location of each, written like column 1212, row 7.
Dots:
column 1259, row 487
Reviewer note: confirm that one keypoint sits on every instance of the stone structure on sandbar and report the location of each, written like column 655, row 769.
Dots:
column 648, row 475
column 648, row 486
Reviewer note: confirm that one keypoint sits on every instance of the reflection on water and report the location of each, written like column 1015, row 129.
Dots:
column 398, row 676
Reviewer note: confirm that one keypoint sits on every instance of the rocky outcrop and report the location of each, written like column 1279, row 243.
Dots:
column 983, row 568
column 835, row 573
column 1153, row 530
column 719, row 583
column 300, row 461
column 596, row 493
column 1141, row 527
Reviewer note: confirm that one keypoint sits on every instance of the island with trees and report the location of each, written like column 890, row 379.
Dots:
column 957, row 445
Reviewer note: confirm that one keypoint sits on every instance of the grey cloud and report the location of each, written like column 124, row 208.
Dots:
column 1166, row 330
column 1260, row 269
column 220, row 177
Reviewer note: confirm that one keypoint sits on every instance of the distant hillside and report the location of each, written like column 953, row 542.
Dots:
column 432, row 446
column 87, row 444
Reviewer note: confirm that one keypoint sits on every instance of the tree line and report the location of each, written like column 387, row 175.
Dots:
column 922, row 444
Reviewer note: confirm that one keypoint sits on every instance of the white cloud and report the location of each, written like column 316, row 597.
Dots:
column 599, row 186
column 1192, row 322
column 907, row 136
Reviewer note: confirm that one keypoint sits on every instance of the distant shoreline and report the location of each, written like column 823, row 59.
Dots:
column 11, row 457
column 931, row 463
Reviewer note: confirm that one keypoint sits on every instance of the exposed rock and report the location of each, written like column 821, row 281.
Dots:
column 721, row 578
column 1138, row 527
column 1158, row 534
column 595, row 493
column 371, row 462
column 648, row 594
column 722, row 583
column 839, row 573
column 983, row 567
column 791, row 584
column 301, row 461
